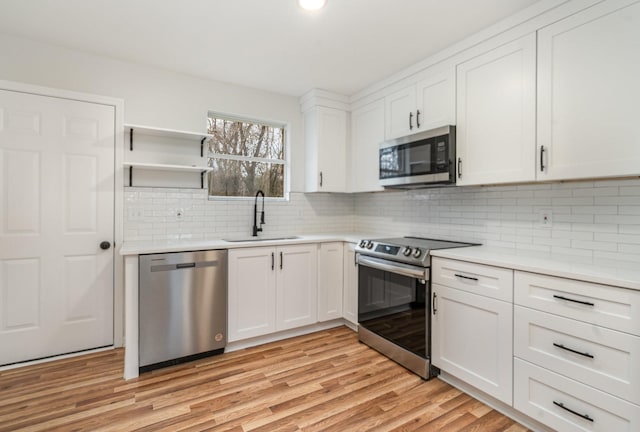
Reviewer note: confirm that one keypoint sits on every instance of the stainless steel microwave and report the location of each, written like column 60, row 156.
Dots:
column 421, row 160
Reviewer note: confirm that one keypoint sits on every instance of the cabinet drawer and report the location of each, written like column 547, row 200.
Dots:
column 606, row 306
column 599, row 357
column 540, row 393
column 494, row 282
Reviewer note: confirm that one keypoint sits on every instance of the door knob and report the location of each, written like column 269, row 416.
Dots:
column 105, row 245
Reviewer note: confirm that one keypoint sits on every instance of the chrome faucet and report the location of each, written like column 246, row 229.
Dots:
column 256, row 230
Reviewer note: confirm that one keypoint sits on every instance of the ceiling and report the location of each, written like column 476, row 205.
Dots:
column 267, row 44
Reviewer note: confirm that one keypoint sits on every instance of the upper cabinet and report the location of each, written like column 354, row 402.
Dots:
column 588, row 93
column 367, row 132
column 325, row 137
column 496, row 113
column 422, row 106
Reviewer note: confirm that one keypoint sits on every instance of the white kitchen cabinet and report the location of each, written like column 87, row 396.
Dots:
column 588, row 92
column 252, row 292
column 496, row 115
column 367, row 132
column 325, row 137
column 271, row 289
column 350, row 284
column 330, row 280
column 419, row 107
column 577, row 344
column 567, row 405
column 472, row 336
column 296, row 286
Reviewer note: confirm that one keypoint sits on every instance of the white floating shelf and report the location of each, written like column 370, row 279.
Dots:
column 167, row 167
column 168, row 133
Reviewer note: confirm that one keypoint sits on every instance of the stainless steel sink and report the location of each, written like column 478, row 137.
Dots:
column 253, row 239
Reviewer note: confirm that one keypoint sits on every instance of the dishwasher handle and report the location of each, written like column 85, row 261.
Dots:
column 179, row 266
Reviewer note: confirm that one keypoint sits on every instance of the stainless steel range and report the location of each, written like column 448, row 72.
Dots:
column 394, row 298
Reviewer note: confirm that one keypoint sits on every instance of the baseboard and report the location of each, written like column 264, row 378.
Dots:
column 54, row 358
column 286, row 334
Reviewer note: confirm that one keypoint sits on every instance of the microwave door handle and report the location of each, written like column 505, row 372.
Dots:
column 402, row 269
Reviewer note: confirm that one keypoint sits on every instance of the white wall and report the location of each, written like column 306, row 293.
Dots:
column 153, row 97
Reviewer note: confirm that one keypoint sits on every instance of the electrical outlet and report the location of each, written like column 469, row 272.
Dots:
column 545, row 218
column 135, row 214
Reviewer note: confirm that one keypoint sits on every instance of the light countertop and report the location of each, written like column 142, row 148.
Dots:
column 617, row 273
column 147, row 247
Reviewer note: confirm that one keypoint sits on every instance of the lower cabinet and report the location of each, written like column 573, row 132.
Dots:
column 472, row 338
column 350, row 284
column 330, row 280
column 271, row 289
column 567, row 405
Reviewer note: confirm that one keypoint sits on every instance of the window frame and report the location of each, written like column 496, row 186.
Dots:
column 286, row 162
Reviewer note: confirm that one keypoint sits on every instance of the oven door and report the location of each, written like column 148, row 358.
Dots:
column 393, row 303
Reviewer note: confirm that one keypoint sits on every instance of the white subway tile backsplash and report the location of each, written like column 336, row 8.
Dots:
column 591, row 219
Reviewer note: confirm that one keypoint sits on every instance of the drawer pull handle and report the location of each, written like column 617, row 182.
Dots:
column 435, row 304
column 466, row 277
column 572, row 350
column 584, row 416
column 573, row 300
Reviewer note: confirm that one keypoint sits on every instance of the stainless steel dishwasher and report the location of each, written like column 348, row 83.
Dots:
column 182, row 307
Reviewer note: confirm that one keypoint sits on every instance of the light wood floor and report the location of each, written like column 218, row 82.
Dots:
column 325, row 381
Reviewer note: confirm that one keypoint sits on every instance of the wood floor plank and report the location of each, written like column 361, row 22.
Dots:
column 322, row 382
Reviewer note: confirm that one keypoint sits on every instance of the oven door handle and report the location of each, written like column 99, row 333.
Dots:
column 393, row 267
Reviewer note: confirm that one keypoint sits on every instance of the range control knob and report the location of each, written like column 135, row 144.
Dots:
column 369, row 244
column 363, row 243
column 406, row 251
column 416, row 253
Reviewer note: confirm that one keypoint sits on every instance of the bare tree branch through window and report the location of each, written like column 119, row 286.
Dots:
column 245, row 157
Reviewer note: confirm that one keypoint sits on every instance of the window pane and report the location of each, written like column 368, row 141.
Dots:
column 244, row 178
column 246, row 139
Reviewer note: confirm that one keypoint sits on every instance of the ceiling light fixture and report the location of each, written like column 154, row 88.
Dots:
column 312, row 5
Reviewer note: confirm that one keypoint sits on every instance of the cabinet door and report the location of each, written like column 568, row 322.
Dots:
column 350, row 284
column 330, row 278
column 588, row 93
column 496, row 115
column 367, row 131
column 296, row 286
column 326, row 150
column 252, row 293
column 472, row 339
column 436, row 100
column 400, row 115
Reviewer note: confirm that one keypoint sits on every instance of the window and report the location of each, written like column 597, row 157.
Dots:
column 246, row 156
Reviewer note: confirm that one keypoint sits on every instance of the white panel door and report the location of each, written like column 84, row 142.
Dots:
column 252, row 292
column 496, row 113
column 588, row 93
column 296, row 286
column 330, row 278
column 56, row 207
column 367, row 132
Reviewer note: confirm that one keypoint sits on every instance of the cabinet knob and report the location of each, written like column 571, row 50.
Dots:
column 105, row 245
